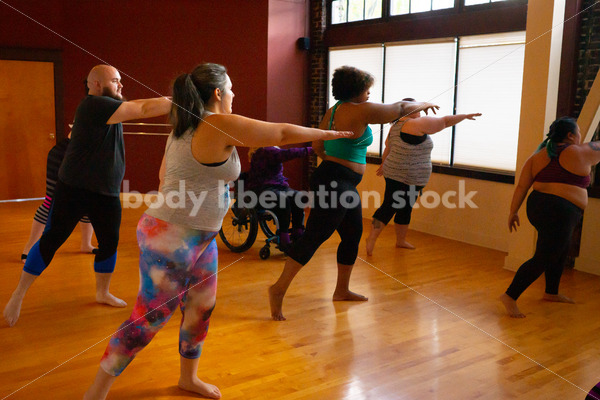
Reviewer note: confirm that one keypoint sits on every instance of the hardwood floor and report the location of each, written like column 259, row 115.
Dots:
column 432, row 328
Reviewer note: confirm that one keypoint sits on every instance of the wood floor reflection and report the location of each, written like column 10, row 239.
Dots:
column 432, row 328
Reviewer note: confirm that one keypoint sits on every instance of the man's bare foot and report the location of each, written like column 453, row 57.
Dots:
column 370, row 246
column 87, row 249
column 108, row 298
column 202, row 388
column 405, row 245
column 276, row 303
column 348, row 296
column 511, row 306
column 12, row 310
column 558, row 298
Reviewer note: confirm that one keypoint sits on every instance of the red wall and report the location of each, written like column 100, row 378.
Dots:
column 287, row 84
column 152, row 41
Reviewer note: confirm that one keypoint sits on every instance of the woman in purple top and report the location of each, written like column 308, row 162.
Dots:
column 266, row 174
column 559, row 177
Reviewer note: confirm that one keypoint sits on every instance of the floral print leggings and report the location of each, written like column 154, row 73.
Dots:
column 178, row 267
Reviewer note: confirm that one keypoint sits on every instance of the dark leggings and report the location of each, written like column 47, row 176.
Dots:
column 68, row 206
column 398, row 199
column 554, row 218
column 336, row 208
column 291, row 207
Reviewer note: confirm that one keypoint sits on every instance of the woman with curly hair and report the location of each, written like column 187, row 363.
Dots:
column 337, row 204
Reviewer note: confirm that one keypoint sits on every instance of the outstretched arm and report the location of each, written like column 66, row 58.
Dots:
column 374, row 113
column 430, row 125
column 241, row 131
column 525, row 182
column 139, row 109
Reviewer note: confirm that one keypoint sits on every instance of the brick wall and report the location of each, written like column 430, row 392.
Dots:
column 588, row 64
column 589, row 52
column 318, row 67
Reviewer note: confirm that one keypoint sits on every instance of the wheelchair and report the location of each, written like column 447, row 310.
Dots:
column 240, row 226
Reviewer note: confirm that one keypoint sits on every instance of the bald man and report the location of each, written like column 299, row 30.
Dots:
column 89, row 183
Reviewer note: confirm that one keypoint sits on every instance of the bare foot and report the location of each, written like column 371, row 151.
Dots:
column 511, row 306
column 558, row 298
column 202, row 388
column 405, row 245
column 12, row 310
column 348, row 296
column 276, row 303
column 108, row 298
column 370, row 246
column 87, row 249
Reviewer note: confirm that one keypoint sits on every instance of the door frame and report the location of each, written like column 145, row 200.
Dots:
column 44, row 55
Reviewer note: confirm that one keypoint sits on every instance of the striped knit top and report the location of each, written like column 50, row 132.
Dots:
column 407, row 163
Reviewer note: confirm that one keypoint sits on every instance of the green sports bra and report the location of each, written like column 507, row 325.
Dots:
column 354, row 150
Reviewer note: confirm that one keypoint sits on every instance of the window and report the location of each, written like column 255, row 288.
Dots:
column 474, row 2
column 400, row 7
column 343, row 11
column 355, row 10
column 370, row 59
column 490, row 78
column 470, row 74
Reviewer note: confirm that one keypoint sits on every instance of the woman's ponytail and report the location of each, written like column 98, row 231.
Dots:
column 187, row 107
column 558, row 131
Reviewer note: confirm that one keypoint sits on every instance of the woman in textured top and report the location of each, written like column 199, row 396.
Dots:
column 178, row 251
column 337, row 202
column 406, row 167
column 559, row 177
column 266, row 175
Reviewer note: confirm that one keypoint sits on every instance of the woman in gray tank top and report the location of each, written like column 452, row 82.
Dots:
column 178, row 251
column 406, row 167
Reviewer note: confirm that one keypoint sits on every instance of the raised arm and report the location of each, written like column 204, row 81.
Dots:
column 139, row 109
column 241, row 131
column 374, row 113
column 431, row 125
column 525, row 182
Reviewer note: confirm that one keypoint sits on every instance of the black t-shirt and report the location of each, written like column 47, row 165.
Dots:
column 95, row 158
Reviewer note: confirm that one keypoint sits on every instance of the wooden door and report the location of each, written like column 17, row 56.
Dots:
column 27, row 127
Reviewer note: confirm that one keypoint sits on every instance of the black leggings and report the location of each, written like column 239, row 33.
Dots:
column 68, row 206
column 336, row 207
column 554, row 218
column 291, row 207
column 398, row 199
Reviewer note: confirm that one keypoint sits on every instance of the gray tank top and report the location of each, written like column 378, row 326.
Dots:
column 194, row 195
column 407, row 163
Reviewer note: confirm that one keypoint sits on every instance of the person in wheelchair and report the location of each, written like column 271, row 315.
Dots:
column 266, row 174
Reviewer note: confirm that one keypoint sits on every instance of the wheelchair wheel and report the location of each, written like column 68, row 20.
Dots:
column 265, row 252
column 268, row 223
column 239, row 229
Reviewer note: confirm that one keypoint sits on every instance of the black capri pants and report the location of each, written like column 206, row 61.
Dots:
column 399, row 199
column 68, row 206
column 554, row 218
column 337, row 207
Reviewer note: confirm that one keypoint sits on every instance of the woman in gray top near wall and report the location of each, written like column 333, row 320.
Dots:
column 406, row 167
